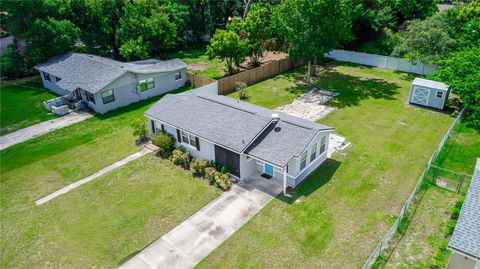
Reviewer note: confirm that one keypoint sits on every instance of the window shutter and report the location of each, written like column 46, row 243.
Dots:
column 163, row 128
column 153, row 126
column 197, row 142
column 179, row 138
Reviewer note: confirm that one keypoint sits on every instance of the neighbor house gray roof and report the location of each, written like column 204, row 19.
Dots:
column 93, row 73
column 430, row 84
column 237, row 125
column 466, row 236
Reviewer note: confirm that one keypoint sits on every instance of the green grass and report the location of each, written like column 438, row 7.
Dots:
column 103, row 222
column 424, row 244
column 346, row 206
column 214, row 69
column 22, row 104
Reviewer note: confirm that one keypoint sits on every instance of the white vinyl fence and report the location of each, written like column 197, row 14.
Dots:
column 388, row 236
column 381, row 61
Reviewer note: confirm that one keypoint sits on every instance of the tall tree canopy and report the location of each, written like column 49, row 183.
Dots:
column 227, row 46
column 50, row 37
column 312, row 27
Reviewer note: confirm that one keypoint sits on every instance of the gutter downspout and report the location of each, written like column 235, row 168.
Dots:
column 285, row 183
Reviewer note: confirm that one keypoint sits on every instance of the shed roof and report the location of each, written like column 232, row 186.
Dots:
column 237, row 125
column 466, row 236
column 93, row 73
column 430, row 84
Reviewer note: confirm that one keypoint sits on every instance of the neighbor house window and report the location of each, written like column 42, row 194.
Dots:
column 107, row 96
column 57, row 79
column 303, row 160
column 323, row 142
column 313, row 152
column 439, row 94
column 46, row 76
column 146, row 84
column 189, row 139
column 90, row 97
column 178, row 75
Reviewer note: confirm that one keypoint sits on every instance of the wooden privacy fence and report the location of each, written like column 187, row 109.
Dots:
column 228, row 84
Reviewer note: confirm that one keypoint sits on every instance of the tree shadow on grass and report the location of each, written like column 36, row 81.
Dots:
column 352, row 90
column 321, row 176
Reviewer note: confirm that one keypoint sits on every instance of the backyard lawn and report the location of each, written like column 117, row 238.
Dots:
column 99, row 224
column 339, row 214
column 199, row 63
column 424, row 243
column 22, row 104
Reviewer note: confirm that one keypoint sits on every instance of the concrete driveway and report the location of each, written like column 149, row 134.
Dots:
column 191, row 241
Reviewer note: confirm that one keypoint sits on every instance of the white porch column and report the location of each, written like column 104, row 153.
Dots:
column 285, row 181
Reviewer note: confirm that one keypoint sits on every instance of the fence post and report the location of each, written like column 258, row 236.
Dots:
column 462, row 178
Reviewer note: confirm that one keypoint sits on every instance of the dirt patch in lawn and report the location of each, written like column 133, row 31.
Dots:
column 310, row 105
column 200, row 66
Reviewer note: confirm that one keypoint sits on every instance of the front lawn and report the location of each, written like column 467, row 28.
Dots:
column 339, row 214
column 22, row 104
column 199, row 63
column 102, row 222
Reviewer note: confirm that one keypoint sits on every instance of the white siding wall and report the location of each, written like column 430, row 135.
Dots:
column 53, row 85
column 164, row 82
column 458, row 261
column 123, row 90
column 207, row 149
column 247, row 167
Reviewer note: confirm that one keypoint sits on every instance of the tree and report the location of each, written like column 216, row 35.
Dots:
column 227, row 46
column 257, row 31
column 461, row 71
column 50, row 37
column 312, row 27
column 146, row 28
column 11, row 63
column 426, row 41
column 414, row 9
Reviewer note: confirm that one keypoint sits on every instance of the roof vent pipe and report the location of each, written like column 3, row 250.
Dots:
column 275, row 117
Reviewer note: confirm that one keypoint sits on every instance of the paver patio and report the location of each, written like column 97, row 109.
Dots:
column 196, row 237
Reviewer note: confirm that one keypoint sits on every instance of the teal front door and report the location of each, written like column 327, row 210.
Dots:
column 268, row 169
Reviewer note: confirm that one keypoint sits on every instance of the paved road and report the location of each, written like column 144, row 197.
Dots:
column 191, row 241
column 41, row 128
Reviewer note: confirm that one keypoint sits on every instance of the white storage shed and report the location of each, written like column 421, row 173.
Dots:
column 428, row 93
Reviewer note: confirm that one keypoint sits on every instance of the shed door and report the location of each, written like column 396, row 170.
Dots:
column 420, row 96
column 229, row 159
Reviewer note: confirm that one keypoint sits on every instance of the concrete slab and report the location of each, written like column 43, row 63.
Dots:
column 192, row 240
column 33, row 131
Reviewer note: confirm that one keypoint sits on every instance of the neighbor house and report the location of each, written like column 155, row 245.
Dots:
column 465, row 241
column 104, row 84
column 245, row 138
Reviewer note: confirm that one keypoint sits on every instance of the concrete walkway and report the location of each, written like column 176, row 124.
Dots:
column 92, row 177
column 41, row 128
column 191, row 241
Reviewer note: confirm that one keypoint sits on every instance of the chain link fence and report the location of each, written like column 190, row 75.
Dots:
column 384, row 243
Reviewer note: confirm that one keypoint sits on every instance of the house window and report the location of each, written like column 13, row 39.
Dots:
column 57, row 79
column 178, row 75
column 323, row 144
column 189, row 139
column 439, row 94
column 146, row 84
column 107, row 96
column 46, row 76
column 313, row 151
column 90, row 97
column 303, row 160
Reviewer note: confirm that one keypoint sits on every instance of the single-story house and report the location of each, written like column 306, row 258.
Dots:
column 465, row 240
column 243, row 137
column 105, row 84
column 428, row 93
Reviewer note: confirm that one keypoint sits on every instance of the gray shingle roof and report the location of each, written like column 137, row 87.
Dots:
column 430, row 84
column 466, row 237
column 93, row 73
column 235, row 125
